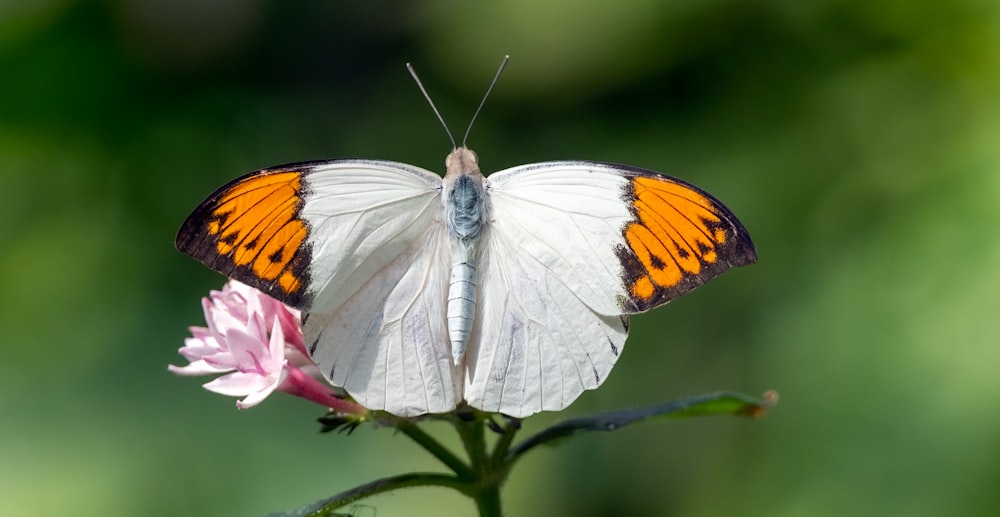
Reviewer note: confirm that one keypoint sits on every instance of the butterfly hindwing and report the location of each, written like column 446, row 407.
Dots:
column 387, row 344
column 537, row 345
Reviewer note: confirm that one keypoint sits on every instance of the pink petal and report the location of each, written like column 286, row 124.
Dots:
column 239, row 384
column 253, row 353
column 220, row 321
column 196, row 368
column 223, row 360
column 200, row 333
column 276, row 345
column 195, row 349
column 253, row 399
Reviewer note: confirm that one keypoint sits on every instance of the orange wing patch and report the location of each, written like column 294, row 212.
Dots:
column 679, row 238
column 250, row 230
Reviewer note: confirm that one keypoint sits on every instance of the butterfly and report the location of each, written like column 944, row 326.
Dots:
column 509, row 292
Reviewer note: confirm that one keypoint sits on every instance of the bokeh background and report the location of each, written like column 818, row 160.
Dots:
column 858, row 141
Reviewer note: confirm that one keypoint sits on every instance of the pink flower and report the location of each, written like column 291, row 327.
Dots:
column 256, row 341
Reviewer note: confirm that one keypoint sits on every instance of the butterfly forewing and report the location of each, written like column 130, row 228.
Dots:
column 679, row 238
column 622, row 239
column 311, row 233
column 537, row 345
column 251, row 230
column 361, row 216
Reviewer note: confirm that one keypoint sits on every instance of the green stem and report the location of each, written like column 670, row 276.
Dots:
column 503, row 444
column 327, row 506
column 488, row 477
column 471, row 433
column 434, row 447
column 488, row 501
column 482, row 477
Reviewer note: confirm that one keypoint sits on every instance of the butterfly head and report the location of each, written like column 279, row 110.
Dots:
column 461, row 162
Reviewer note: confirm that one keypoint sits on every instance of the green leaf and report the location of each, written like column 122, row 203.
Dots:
column 721, row 403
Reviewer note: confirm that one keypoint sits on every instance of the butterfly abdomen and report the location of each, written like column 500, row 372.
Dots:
column 464, row 214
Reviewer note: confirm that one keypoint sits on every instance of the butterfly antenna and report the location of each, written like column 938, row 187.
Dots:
column 429, row 101
column 503, row 64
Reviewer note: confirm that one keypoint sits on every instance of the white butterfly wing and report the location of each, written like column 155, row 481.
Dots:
column 568, row 216
column 359, row 246
column 387, row 344
column 537, row 345
column 378, row 282
column 362, row 215
column 570, row 249
column 547, row 324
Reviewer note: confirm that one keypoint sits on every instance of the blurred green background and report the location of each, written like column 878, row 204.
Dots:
column 858, row 141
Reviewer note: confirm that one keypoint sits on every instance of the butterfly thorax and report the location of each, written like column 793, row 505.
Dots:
column 465, row 208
